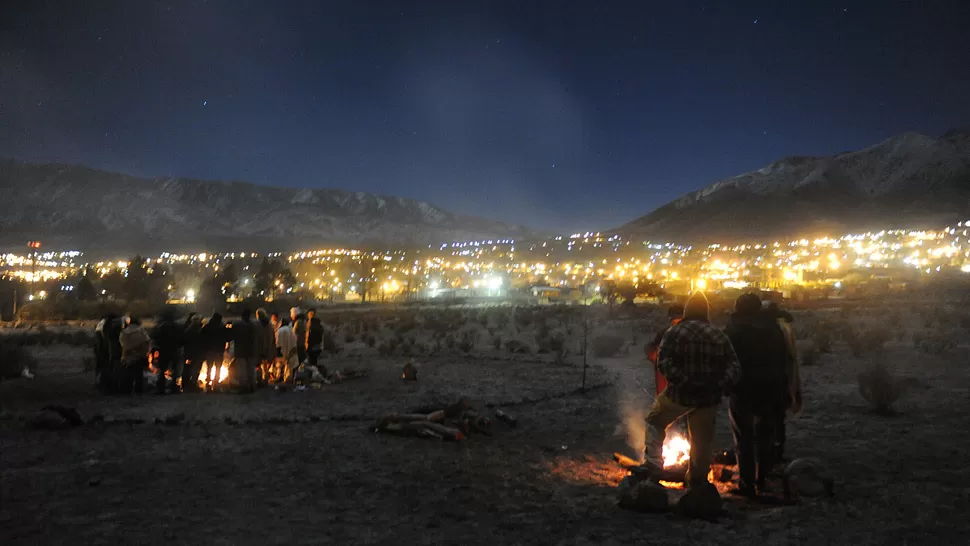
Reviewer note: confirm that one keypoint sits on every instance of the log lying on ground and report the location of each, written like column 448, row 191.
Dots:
column 670, row 474
column 421, row 429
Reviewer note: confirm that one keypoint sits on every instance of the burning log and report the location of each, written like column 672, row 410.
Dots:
column 675, row 474
column 422, row 429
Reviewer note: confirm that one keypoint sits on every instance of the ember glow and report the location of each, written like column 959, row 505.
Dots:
column 676, row 450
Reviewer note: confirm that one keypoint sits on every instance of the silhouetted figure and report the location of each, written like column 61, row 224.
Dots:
column 793, row 398
column 135, row 344
column 314, row 340
column 758, row 399
column 244, row 336
column 102, row 358
column 112, row 335
column 298, row 320
column 167, row 342
column 194, row 353
column 213, row 339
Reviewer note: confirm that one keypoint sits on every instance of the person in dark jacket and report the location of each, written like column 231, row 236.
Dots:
column 314, row 341
column 167, row 344
column 265, row 347
column 135, row 343
column 112, row 338
column 194, row 353
column 244, row 338
column 758, row 399
column 793, row 398
column 212, row 342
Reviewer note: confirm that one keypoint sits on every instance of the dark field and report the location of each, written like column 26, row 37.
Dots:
column 302, row 468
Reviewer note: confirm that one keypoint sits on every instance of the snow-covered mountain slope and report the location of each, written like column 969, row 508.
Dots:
column 908, row 180
column 84, row 208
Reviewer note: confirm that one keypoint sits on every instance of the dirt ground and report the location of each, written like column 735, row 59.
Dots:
column 303, row 468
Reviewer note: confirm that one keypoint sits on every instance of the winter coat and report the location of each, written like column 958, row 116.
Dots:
column 286, row 341
column 167, row 339
column 194, row 349
column 265, row 340
column 213, row 337
column 314, row 336
column 243, row 333
column 112, row 334
column 762, row 352
column 300, row 329
column 134, row 342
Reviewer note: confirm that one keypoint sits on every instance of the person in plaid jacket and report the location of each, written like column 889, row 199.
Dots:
column 700, row 367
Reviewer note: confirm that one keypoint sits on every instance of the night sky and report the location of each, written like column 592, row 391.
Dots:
column 561, row 115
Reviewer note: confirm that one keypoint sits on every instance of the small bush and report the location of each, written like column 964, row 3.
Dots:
column 497, row 342
column 607, row 345
column 517, row 347
column 350, row 337
column 823, row 340
column 371, row 341
column 879, row 388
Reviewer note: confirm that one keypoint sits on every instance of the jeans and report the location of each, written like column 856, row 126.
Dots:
column 313, row 359
column 166, row 362
column 190, row 375
column 700, row 426
column 754, row 431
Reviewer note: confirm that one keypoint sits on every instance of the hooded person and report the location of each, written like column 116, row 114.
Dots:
column 167, row 341
column 675, row 314
column 793, row 400
column 213, row 338
column 135, row 344
column 265, row 345
column 758, row 399
column 700, row 367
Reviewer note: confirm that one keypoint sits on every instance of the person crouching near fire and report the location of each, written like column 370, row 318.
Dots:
column 700, row 366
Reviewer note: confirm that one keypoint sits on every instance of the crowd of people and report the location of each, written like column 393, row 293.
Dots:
column 753, row 362
column 264, row 349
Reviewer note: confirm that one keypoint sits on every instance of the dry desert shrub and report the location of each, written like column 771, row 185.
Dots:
column 880, row 388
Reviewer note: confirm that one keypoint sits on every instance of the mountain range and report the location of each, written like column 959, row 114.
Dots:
column 69, row 206
column 908, row 181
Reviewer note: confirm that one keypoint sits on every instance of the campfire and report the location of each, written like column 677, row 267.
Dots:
column 676, row 451
column 213, row 375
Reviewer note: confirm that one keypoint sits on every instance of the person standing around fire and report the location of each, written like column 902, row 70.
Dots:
column 700, row 367
column 286, row 346
column 245, row 335
column 298, row 320
column 793, row 398
column 213, row 339
column 265, row 346
column 758, row 399
column 194, row 353
column 167, row 340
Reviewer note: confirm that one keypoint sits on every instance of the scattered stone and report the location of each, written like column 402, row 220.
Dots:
column 701, row 502
column 94, row 482
column 807, row 478
column 410, row 371
column 642, row 496
column 176, row 419
column 69, row 415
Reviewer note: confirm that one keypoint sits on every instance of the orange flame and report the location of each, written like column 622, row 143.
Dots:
column 676, row 450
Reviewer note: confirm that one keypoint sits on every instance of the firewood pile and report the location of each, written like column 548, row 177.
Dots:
column 453, row 422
